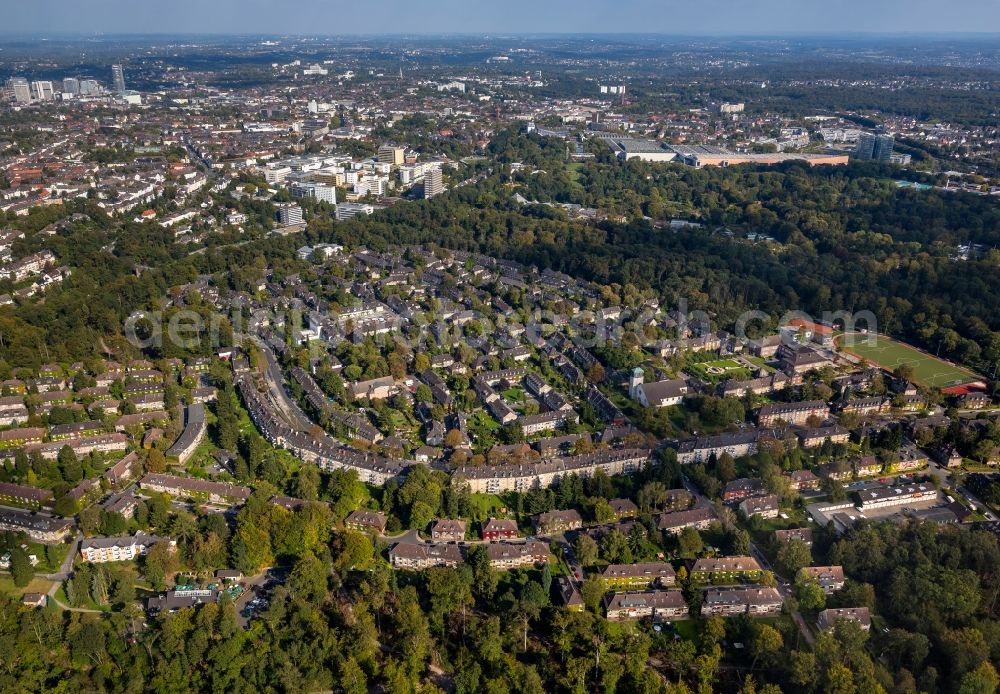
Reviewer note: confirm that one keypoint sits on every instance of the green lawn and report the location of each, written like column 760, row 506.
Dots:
column 719, row 369
column 37, row 585
column 927, row 370
column 514, row 394
column 87, row 603
column 486, row 505
column 687, row 629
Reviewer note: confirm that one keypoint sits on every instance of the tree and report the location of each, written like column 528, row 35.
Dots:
column 307, row 483
column 484, row 578
column 69, row 465
column 982, row 680
column 160, row 562
column 453, row 439
column 585, row 548
column 421, row 515
column 308, row 578
column 689, row 542
column 802, row 668
column 766, row 643
column 603, row 513
column 615, row 549
column 725, row 468
column 449, row 591
column 155, row 461
column 251, row 548
column 20, row 567
column 354, row 551
column 352, row 677
column 809, row 593
column 592, row 592
column 792, row 556
column 739, row 542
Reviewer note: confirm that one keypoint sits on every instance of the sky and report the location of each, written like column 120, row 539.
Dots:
column 334, row 17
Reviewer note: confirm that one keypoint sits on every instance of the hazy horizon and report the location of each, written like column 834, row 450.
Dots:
column 437, row 17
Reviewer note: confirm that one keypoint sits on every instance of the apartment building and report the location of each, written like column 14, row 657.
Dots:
column 100, row 550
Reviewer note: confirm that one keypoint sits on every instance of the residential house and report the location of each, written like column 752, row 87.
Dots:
column 571, row 597
column 673, row 523
column 660, row 605
column 39, row 527
column 864, row 407
column 447, row 530
column 803, row 535
column 557, row 522
column 23, row 495
column 499, row 529
column 791, row 412
column 725, row 569
column 817, row 436
column 743, row 488
column 624, row 508
column 416, row 557
column 763, row 506
column 755, row 601
column 802, row 480
column 830, row 578
column 366, row 521
column 99, row 550
column 215, row 492
column 513, row 555
column 631, row 576
column 828, row 619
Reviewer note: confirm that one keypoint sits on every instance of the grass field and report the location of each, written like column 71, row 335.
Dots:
column 927, row 370
column 37, row 585
column 719, row 369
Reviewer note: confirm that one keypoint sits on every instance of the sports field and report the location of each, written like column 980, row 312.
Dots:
column 927, row 370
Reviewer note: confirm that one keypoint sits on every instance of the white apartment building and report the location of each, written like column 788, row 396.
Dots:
column 100, row 550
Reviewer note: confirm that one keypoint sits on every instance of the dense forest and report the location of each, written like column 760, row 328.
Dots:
column 345, row 621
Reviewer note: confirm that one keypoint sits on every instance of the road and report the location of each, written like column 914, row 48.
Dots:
column 67, row 565
column 291, row 412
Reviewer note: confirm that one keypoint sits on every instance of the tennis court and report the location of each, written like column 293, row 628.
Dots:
column 927, row 370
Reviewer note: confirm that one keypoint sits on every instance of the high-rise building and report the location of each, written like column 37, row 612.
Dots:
column 42, row 90
column 71, row 85
column 89, row 88
column 289, row 213
column 872, row 147
column 19, row 90
column 387, row 154
column 433, row 182
column 118, row 77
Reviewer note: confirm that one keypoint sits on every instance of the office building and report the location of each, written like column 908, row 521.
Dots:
column 71, row 85
column 387, row 154
column 42, row 90
column 89, row 88
column 316, row 191
column 433, row 183
column 729, row 108
column 118, row 77
column 19, row 90
column 346, row 210
column 289, row 213
column 872, row 147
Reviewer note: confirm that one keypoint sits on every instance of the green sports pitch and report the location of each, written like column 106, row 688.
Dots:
column 888, row 353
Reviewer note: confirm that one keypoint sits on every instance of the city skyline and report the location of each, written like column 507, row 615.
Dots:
column 318, row 17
